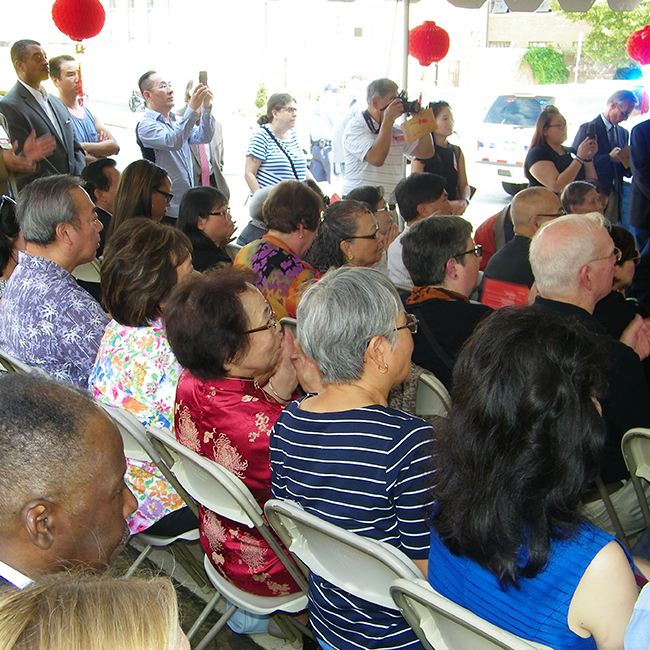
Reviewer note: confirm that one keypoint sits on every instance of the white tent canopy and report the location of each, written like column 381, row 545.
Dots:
column 567, row 5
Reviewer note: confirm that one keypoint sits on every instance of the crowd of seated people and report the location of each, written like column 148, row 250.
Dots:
column 501, row 492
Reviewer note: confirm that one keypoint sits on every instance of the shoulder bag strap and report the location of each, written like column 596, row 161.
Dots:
column 283, row 150
column 440, row 353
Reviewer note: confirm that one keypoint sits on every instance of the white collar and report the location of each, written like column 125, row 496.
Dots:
column 15, row 577
column 607, row 123
column 39, row 95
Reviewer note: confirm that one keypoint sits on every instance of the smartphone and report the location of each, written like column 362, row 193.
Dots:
column 591, row 131
column 203, row 77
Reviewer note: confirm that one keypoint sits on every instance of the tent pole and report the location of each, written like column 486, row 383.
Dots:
column 405, row 72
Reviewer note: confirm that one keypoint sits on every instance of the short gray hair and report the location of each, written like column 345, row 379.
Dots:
column 380, row 87
column 561, row 248
column 621, row 96
column 338, row 315
column 44, row 204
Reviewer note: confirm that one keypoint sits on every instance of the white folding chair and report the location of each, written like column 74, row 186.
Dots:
column 11, row 364
column 138, row 447
column 432, row 397
column 289, row 323
column 635, row 447
column 358, row 565
column 441, row 624
column 89, row 272
column 232, row 249
column 215, row 488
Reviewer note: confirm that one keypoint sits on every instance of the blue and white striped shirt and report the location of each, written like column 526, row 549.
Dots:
column 275, row 166
column 367, row 471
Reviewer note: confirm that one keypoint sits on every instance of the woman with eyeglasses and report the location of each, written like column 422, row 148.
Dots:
column 550, row 164
column 238, row 378
column 348, row 235
column 614, row 311
column 144, row 190
column 11, row 240
column 204, row 216
column 346, row 456
column 274, row 153
column 448, row 159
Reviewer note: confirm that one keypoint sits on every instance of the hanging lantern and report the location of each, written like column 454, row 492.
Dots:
column 638, row 45
column 79, row 19
column 428, row 43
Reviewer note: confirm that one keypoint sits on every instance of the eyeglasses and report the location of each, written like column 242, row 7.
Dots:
column 561, row 213
column 272, row 322
column 616, row 253
column 411, row 324
column 292, row 110
column 636, row 259
column 625, row 114
column 477, row 251
column 374, row 235
column 221, row 213
column 561, row 125
column 164, row 85
column 389, row 207
column 167, row 195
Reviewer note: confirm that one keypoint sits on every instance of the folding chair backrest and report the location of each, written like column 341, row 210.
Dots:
column 359, row 565
column 441, row 624
column 635, row 447
column 89, row 272
column 217, row 489
column 289, row 323
column 11, row 364
column 432, row 396
column 232, row 249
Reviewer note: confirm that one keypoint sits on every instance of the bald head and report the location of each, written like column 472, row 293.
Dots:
column 572, row 259
column 531, row 208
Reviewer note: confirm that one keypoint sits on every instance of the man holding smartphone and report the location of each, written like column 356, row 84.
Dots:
column 170, row 138
column 612, row 140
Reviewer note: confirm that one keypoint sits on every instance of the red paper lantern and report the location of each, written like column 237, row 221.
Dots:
column 79, row 19
column 638, row 45
column 428, row 43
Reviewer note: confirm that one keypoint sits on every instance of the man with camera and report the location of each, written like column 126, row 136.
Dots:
column 374, row 146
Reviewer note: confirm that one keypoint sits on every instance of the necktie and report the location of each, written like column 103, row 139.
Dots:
column 613, row 137
column 205, row 166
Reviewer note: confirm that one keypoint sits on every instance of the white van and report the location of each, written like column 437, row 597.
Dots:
column 505, row 135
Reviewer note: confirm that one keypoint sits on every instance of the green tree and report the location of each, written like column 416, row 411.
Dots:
column 261, row 97
column 606, row 41
column 547, row 65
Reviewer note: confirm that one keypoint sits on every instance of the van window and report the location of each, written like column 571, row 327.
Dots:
column 517, row 111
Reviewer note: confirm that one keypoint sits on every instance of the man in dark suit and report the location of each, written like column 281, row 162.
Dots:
column 27, row 107
column 63, row 500
column 611, row 139
column 639, row 212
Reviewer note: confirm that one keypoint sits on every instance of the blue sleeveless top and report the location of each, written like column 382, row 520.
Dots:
column 538, row 610
column 85, row 130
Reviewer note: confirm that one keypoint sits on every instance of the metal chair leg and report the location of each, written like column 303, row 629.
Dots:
column 207, row 610
column 217, row 628
column 138, row 561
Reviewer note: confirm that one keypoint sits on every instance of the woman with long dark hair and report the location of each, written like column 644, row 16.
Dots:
column 523, row 441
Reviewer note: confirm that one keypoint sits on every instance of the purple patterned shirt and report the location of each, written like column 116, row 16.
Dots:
column 48, row 320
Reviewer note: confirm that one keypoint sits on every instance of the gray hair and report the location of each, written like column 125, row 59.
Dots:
column 338, row 315
column 43, row 439
column 428, row 245
column 256, row 203
column 561, row 248
column 621, row 96
column 44, row 204
column 380, row 87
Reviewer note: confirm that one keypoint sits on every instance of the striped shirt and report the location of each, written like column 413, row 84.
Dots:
column 364, row 470
column 275, row 166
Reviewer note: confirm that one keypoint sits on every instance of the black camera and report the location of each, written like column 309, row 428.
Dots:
column 409, row 107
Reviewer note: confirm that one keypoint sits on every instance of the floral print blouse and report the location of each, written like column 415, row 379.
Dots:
column 137, row 370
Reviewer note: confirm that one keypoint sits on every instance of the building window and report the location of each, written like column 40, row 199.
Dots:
column 499, row 43
column 358, row 32
column 537, row 43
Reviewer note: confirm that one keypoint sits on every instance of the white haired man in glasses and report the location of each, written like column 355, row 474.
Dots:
column 573, row 259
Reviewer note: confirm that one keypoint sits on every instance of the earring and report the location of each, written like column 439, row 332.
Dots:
column 350, row 257
column 385, row 370
column 301, row 236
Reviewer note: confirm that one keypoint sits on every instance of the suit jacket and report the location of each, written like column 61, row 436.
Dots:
column 511, row 264
column 24, row 115
column 607, row 170
column 638, row 213
column 216, row 156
